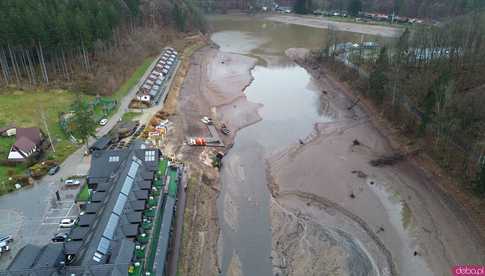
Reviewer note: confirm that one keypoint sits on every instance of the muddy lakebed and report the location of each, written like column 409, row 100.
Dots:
column 298, row 198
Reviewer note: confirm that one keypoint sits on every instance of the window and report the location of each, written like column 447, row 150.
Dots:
column 114, row 159
column 149, row 155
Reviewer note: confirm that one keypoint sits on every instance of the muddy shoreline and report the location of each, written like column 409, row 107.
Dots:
column 213, row 86
column 424, row 221
column 320, row 22
column 331, row 212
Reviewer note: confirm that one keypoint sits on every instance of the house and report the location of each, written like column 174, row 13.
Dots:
column 27, row 142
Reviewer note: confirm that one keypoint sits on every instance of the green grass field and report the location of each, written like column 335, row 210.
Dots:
column 83, row 194
column 5, row 145
column 24, row 109
column 130, row 116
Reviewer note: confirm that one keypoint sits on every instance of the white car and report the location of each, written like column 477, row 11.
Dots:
column 164, row 71
column 169, row 63
column 103, row 122
column 206, row 120
column 67, row 223
column 72, row 182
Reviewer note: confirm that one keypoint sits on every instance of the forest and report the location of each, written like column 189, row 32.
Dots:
column 56, row 40
column 430, row 84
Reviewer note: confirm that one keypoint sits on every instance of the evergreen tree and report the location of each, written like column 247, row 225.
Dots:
column 301, row 6
column 355, row 6
column 378, row 79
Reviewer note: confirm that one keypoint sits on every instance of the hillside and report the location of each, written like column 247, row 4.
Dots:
column 89, row 46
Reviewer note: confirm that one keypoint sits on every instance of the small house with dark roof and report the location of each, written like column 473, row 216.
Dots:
column 27, row 142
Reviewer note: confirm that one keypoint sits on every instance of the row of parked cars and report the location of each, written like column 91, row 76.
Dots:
column 153, row 84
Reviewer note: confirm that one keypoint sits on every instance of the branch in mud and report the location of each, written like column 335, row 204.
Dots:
column 389, row 160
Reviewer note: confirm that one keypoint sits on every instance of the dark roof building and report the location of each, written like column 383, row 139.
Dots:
column 27, row 142
column 103, row 241
column 101, row 144
column 32, row 257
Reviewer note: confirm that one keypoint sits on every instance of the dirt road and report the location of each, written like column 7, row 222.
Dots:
column 320, row 22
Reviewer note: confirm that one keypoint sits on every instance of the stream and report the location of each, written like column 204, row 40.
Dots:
column 291, row 107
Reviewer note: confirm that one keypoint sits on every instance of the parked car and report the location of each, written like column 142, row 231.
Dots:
column 6, row 238
column 72, row 182
column 53, row 170
column 103, row 122
column 4, row 247
column 67, row 223
column 206, row 120
column 60, row 237
column 164, row 72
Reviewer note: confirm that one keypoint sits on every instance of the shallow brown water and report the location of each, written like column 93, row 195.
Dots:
column 290, row 108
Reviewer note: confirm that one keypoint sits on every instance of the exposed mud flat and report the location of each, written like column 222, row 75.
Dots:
column 304, row 246
column 322, row 23
column 215, row 89
column 239, row 113
column 325, row 191
column 234, row 266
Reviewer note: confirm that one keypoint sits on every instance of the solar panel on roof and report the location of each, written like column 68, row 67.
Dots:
column 150, row 155
column 111, row 226
column 133, row 169
column 127, row 185
column 120, row 204
column 103, row 245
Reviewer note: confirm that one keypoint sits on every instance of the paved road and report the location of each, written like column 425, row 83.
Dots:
column 31, row 215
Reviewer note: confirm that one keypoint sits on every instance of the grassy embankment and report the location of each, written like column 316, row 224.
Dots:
column 23, row 108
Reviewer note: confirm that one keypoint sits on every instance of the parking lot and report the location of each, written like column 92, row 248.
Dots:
column 33, row 215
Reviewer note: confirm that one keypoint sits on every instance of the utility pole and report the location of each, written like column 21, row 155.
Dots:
column 42, row 116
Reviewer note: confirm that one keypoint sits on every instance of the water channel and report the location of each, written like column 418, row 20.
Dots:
column 290, row 108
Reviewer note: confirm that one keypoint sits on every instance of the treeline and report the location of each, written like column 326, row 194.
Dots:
column 42, row 40
column 410, row 8
column 430, row 82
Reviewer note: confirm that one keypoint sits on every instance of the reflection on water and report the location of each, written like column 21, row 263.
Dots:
column 291, row 106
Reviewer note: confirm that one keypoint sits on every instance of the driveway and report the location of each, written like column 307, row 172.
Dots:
column 31, row 215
